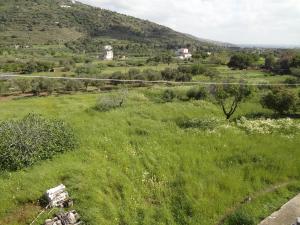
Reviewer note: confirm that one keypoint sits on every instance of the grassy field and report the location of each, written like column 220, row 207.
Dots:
column 135, row 165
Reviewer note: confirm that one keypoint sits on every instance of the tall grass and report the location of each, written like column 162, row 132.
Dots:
column 135, row 165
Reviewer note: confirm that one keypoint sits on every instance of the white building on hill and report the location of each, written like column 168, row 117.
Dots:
column 183, row 53
column 109, row 54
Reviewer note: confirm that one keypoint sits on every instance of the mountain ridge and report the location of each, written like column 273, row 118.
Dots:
column 82, row 27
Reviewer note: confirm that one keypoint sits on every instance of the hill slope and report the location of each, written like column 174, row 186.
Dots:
column 82, row 27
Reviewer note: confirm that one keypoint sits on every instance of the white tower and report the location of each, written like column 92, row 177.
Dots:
column 109, row 54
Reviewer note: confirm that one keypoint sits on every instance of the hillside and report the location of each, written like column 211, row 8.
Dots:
column 140, row 165
column 82, row 27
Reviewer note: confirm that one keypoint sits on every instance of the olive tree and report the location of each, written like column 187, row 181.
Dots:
column 23, row 84
column 229, row 96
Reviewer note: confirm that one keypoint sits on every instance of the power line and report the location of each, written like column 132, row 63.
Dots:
column 147, row 82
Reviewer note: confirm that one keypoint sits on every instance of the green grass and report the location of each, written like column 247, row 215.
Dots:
column 136, row 166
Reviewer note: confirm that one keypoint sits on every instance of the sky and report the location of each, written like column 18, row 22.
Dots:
column 267, row 22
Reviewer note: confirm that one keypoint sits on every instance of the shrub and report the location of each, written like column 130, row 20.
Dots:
column 168, row 95
column 112, row 101
column 279, row 100
column 240, row 218
column 184, row 69
column 49, row 85
column 32, row 67
column 133, row 72
column 183, row 77
column 203, row 124
column 73, row 85
column 197, row 93
column 31, row 139
column 198, row 69
column 241, row 61
column 151, row 75
column 36, row 86
column 23, row 84
column 169, row 74
column 212, row 72
column 295, row 72
column 291, row 81
column 4, row 87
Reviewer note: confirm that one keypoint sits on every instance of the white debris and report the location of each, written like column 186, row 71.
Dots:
column 57, row 196
column 69, row 218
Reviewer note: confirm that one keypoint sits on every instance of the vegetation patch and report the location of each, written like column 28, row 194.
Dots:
column 240, row 218
column 31, row 139
column 109, row 102
column 269, row 126
column 207, row 124
column 245, row 158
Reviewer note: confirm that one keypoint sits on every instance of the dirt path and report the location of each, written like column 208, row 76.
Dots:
column 248, row 199
column 286, row 215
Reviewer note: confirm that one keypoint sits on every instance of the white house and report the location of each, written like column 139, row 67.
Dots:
column 65, row 6
column 183, row 53
column 109, row 54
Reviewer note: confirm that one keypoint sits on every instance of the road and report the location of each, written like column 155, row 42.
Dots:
column 286, row 215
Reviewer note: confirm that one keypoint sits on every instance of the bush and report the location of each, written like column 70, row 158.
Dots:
column 184, row 69
column 241, row 61
column 168, row 95
column 202, row 124
column 73, row 85
column 197, row 93
column 279, row 100
column 49, row 85
column 109, row 102
column 291, row 81
column 36, row 87
column 198, row 69
column 169, row 74
column 151, row 75
column 183, row 77
column 295, row 72
column 240, row 218
column 31, row 139
column 4, row 87
column 32, row 67
column 23, row 84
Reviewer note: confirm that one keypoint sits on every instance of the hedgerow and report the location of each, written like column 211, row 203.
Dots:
column 31, row 139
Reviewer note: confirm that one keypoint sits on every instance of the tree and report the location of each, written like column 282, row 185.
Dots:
column 23, row 84
column 169, row 74
column 49, row 85
column 241, row 61
column 86, row 72
column 270, row 62
column 230, row 96
column 279, row 100
column 36, row 86
column 296, row 61
column 166, row 58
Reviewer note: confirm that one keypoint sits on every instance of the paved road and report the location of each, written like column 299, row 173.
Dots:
column 286, row 215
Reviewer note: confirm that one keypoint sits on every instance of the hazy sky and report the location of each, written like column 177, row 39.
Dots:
column 235, row 21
